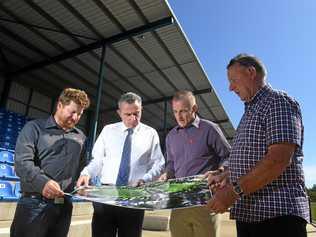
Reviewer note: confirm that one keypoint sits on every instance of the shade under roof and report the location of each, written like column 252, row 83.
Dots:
column 50, row 45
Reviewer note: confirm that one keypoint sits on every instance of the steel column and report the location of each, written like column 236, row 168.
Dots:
column 165, row 118
column 99, row 94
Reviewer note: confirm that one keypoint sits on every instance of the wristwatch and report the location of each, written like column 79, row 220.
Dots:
column 237, row 189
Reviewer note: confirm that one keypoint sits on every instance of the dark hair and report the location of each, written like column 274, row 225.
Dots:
column 77, row 96
column 247, row 60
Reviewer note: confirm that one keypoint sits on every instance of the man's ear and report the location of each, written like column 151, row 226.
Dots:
column 118, row 112
column 59, row 105
column 195, row 108
column 253, row 72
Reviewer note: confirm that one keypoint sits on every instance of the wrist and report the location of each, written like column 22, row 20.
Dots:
column 237, row 189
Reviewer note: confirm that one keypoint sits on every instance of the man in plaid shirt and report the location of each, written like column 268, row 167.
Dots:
column 264, row 180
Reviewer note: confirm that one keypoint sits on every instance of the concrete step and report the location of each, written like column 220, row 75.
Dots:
column 82, row 215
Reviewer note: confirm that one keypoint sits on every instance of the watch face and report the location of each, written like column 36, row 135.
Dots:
column 238, row 189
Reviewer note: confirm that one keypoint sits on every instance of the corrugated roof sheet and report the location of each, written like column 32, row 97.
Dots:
column 153, row 64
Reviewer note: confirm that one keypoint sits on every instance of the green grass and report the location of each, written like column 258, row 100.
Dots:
column 313, row 206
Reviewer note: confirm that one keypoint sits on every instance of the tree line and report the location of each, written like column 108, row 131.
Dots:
column 312, row 193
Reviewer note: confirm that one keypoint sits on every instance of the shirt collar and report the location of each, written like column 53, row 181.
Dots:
column 195, row 123
column 124, row 128
column 258, row 96
column 51, row 123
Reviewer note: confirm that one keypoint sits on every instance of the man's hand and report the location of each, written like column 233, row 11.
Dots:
column 83, row 181
column 217, row 179
column 52, row 190
column 222, row 199
column 138, row 183
column 163, row 177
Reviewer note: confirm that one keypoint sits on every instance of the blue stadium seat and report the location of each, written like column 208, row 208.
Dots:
column 6, row 157
column 7, row 146
column 8, row 138
column 6, row 191
column 6, row 172
column 7, row 130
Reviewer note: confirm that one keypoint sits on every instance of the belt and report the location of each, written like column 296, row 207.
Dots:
column 58, row 200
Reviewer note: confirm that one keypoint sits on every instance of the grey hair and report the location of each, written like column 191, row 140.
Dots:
column 247, row 60
column 130, row 98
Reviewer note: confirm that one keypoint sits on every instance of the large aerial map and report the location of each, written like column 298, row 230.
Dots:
column 174, row 193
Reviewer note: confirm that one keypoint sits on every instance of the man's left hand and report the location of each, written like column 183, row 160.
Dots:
column 222, row 199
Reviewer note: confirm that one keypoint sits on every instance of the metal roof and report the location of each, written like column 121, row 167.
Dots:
column 51, row 45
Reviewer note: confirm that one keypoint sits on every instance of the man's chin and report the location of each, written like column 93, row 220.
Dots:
column 132, row 125
column 70, row 125
column 182, row 125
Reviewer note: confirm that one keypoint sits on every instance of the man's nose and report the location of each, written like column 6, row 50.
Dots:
column 231, row 86
column 75, row 116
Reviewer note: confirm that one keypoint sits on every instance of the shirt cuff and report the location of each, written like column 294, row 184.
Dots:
column 225, row 164
column 147, row 178
column 85, row 172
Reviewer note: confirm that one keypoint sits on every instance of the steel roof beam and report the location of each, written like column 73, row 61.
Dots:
column 23, row 23
column 116, row 38
column 166, row 98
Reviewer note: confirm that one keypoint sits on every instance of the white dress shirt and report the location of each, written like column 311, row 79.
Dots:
column 147, row 161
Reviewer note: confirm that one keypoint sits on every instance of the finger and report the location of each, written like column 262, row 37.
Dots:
column 55, row 190
column 207, row 173
column 78, row 184
column 81, row 181
column 54, row 185
column 86, row 181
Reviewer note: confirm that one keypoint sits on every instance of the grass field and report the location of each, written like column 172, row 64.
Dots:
column 313, row 205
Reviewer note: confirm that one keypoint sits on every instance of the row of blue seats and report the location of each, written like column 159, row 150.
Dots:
column 7, row 113
column 11, row 119
column 7, row 172
column 7, row 146
column 9, row 191
column 8, row 139
column 6, row 157
column 10, row 125
column 12, row 192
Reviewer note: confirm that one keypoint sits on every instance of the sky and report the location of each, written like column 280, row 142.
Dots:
column 281, row 33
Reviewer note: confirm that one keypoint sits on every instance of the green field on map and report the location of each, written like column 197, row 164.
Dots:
column 175, row 193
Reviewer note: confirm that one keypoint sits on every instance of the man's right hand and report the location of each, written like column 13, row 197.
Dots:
column 83, row 181
column 163, row 177
column 217, row 179
column 52, row 190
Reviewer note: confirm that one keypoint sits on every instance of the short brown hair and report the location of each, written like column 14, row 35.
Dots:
column 78, row 96
column 247, row 60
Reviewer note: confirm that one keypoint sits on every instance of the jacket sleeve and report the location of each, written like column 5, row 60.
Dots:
column 26, row 163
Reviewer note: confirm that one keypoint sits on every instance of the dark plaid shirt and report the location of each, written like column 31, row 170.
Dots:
column 271, row 117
